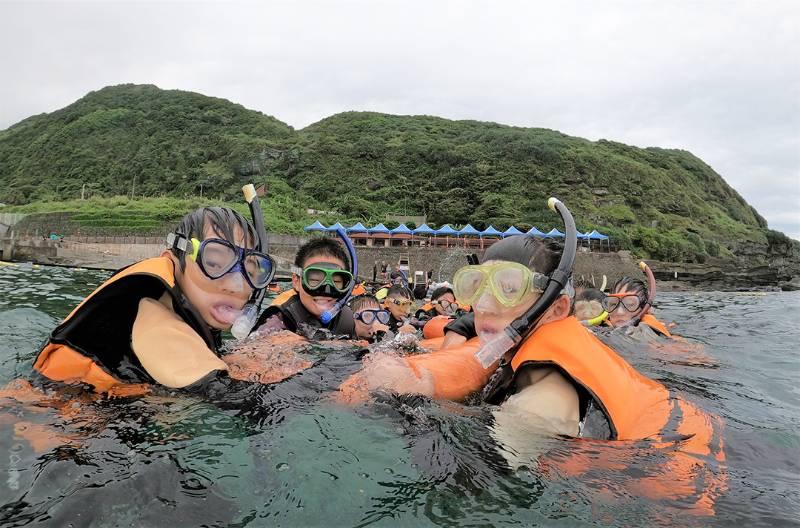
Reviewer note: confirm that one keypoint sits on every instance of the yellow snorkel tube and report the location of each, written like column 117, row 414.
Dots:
column 597, row 321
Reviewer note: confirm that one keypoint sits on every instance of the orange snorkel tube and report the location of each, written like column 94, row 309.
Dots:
column 651, row 291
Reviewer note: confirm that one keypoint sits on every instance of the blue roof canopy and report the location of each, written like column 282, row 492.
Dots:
column 423, row 230
column 335, row 227
column 468, row 230
column 316, row 226
column 402, row 229
column 357, row 228
column 491, row 231
column 446, row 230
column 380, row 228
column 553, row 233
column 535, row 232
column 594, row 235
column 512, row 231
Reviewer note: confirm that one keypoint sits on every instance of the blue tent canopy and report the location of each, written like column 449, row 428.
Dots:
column 423, row 230
column 357, row 228
column 402, row 229
column 535, row 232
column 316, row 226
column 594, row 235
column 468, row 230
column 380, row 228
column 335, row 227
column 582, row 236
column 491, row 231
column 446, row 230
column 553, row 233
column 511, row 231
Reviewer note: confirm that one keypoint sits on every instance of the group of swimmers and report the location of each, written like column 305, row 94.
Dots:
column 511, row 329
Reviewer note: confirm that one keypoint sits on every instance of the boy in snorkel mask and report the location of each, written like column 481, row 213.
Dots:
column 320, row 279
column 159, row 320
column 399, row 304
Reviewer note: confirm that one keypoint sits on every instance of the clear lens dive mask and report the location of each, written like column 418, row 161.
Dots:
column 630, row 302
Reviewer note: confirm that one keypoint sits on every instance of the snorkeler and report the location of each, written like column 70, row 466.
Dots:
column 399, row 304
column 443, row 302
column 370, row 318
column 630, row 301
column 589, row 304
column 159, row 321
column 547, row 368
column 322, row 284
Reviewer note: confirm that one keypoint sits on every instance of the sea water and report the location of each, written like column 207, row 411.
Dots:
column 296, row 458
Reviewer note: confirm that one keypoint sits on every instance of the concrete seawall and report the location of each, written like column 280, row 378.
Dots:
column 116, row 252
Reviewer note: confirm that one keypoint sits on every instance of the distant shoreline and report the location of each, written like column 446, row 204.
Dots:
column 443, row 262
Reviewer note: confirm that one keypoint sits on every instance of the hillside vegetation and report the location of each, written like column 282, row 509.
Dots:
column 141, row 141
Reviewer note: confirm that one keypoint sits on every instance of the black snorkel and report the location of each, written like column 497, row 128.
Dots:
column 521, row 327
column 328, row 315
column 245, row 322
column 651, row 293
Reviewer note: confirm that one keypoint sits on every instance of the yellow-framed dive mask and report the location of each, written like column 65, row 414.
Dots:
column 508, row 282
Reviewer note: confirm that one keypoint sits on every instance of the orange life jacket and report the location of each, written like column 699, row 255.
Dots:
column 636, row 408
column 655, row 324
column 92, row 345
column 435, row 327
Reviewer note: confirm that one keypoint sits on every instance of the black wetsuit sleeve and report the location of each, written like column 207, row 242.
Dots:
column 464, row 326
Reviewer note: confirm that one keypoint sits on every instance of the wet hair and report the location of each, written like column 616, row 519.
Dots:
column 223, row 222
column 537, row 255
column 635, row 286
column 324, row 247
column 398, row 290
column 589, row 294
column 441, row 291
column 364, row 301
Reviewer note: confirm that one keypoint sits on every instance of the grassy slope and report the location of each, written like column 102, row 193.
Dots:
column 171, row 145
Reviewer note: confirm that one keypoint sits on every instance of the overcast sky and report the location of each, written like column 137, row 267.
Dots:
column 718, row 78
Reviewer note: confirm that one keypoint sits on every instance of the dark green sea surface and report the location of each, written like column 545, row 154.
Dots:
column 298, row 459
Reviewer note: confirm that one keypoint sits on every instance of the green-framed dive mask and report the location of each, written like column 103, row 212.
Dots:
column 325, row 279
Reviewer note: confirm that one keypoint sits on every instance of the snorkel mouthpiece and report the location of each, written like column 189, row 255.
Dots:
column 515, row 333
column 328, row 315
column 244, row 323
column 597, row 320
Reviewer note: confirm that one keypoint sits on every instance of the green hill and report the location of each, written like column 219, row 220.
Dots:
column 146, row 142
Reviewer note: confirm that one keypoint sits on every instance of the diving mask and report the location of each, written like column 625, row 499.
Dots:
column 631, row 302
column 325, row 279
column 449, row 307
column 370, row 316
column 508, row 282
column 217, row 257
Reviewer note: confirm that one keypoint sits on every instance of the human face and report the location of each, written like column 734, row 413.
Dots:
column 368, row 330
column 399, row 307
column 218, row 301
column 619, row 316
column 448, row 297
column 316, row 304
column 585, row 310
column 492, row 317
